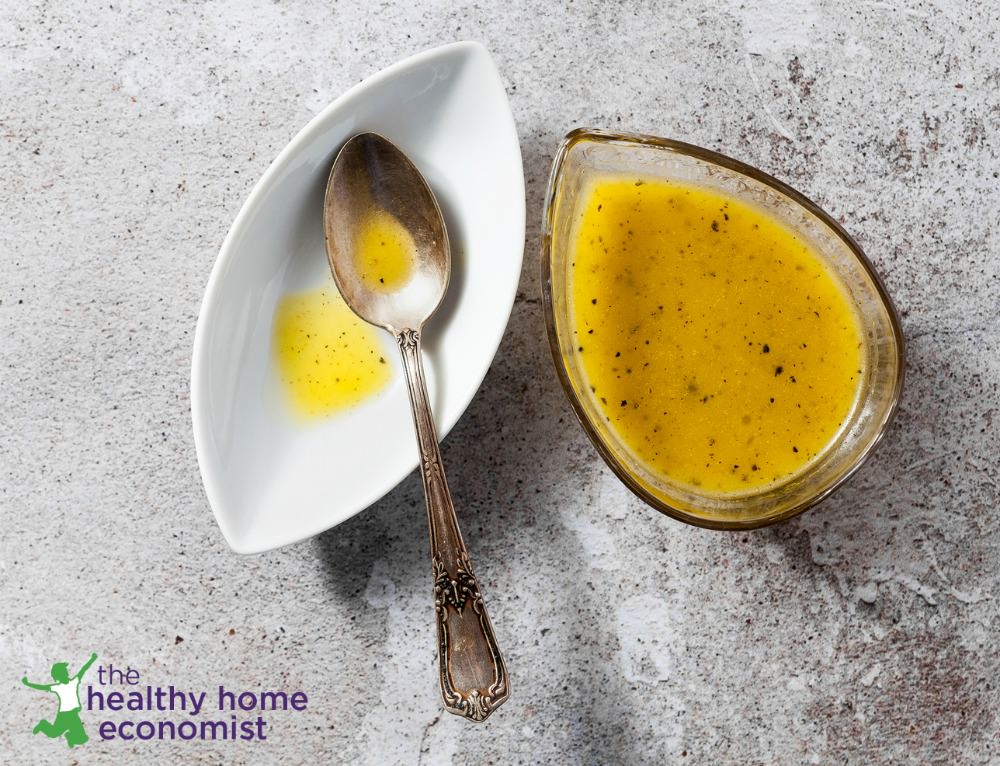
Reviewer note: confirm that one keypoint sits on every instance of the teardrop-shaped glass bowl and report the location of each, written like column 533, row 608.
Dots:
column 588, row 154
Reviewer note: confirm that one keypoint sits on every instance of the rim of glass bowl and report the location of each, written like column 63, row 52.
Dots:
column 626, row 476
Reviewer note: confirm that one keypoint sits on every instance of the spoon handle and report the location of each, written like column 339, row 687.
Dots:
column 473, row 674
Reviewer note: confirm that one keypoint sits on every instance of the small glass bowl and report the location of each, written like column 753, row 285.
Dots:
column 585, row 154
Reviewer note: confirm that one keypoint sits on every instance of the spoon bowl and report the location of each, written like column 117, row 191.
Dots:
column 372, row 177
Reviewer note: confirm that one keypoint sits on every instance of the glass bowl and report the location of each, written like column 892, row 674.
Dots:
column 586, row 154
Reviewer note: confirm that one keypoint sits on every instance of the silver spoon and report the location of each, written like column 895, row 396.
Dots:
column 371, row 175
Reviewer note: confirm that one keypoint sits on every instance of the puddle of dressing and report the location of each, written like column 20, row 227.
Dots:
column 717, row 345
column 328, row 359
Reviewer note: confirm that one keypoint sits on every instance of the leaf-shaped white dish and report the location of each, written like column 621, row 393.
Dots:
column 272, row 478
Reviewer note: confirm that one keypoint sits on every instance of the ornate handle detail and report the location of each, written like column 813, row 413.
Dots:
column 473, row 674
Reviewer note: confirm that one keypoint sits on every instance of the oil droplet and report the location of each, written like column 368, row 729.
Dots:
column 328, row 359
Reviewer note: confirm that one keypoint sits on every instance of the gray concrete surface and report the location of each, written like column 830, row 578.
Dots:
column 861, row 633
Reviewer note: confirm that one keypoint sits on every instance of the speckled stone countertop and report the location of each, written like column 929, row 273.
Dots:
column 863, row 632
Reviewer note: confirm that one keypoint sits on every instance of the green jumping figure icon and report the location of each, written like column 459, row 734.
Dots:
column 68, row 690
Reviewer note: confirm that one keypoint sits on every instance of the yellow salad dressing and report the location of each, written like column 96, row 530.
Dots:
column 717, row 344
column 385, row 252
column 328, row 358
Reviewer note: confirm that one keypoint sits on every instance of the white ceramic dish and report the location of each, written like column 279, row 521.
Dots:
column 272, row 479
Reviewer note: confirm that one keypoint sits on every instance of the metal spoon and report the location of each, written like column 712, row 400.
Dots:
column 371, row 175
